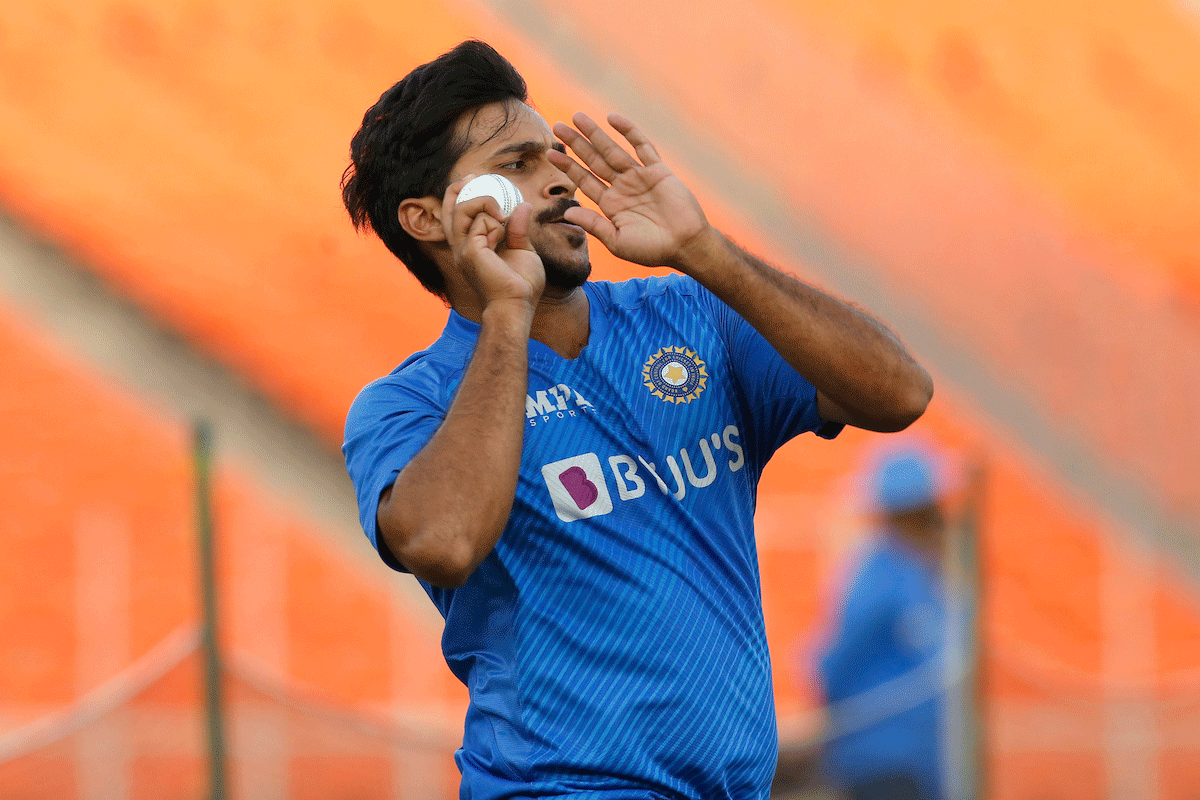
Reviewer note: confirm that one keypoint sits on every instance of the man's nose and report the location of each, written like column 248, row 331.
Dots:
column 559, row 186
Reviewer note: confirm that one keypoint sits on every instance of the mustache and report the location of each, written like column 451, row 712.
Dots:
column 556, row 213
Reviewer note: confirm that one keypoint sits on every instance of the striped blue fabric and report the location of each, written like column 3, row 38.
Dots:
column 613, row 641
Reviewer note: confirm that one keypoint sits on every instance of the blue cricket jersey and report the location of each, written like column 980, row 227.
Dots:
column 888, row 647
column 613, row 641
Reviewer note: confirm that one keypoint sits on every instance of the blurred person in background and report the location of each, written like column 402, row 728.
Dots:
column 570, row 470
column 883, row 671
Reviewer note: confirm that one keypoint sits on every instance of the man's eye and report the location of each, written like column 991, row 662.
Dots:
column 518, row 165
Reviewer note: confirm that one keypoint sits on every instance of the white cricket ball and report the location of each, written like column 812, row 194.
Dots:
column 505, row 191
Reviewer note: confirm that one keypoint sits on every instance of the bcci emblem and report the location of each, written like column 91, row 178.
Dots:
column 675, row 375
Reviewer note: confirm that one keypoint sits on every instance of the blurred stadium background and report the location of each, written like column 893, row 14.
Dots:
column 1012, row 185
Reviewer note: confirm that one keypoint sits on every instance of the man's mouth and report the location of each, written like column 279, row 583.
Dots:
column 555, row 215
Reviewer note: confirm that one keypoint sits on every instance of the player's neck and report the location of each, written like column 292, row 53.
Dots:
column 561, row 321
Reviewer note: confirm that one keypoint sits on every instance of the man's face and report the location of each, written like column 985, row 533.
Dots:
column 511, row 139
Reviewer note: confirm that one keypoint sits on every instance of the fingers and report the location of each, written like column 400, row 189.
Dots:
column 594, row 223
column 473, row 224
column 641, row 145
column 450, row 199
column 585, row 181
column 458, row 218
column 465, row 214
column 586, row 152
column 599, row 151
column 518, row 228
column 483, row 233
column 607, row 148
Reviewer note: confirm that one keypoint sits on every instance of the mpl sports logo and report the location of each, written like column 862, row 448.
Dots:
column 579, row 486
column 556, row 402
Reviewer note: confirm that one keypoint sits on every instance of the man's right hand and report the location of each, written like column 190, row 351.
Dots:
column 496, row 260
column 444, row 514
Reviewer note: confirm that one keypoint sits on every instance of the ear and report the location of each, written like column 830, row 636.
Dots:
column 421, row 218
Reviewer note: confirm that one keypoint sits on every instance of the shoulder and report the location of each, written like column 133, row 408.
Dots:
column 424, row 378
column 637, row 291
column 883, row 566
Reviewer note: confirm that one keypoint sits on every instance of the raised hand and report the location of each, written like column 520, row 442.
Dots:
column 649, row 216
column 496, row 260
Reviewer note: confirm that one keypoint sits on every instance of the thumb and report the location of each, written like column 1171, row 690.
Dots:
column 594, row 223
column 518, row 228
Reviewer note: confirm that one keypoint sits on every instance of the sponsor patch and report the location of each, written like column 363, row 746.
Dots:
column 675, row 375
column 577, row 487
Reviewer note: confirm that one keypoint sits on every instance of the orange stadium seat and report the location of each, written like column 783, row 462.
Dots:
column 100, row 569
column 190, row 155
column 1083, row 321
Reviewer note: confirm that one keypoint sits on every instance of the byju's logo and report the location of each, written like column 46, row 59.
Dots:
column 577, row 487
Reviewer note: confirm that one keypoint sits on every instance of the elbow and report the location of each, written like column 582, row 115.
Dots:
column 444, row 576
column 907, row 406
column 911, row 407
column 450, row 570
column 439, row 550
column 438, row 558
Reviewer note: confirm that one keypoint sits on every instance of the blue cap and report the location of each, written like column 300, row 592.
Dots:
column 907, row 479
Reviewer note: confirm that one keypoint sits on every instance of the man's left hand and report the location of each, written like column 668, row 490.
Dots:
column 649, row 216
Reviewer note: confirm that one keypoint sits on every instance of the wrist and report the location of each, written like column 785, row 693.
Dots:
column 510, row 314
column 703, row 256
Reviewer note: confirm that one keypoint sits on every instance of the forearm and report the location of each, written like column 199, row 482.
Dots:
column 449, row 505
column 850, row 357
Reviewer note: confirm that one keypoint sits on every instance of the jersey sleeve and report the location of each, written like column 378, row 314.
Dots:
column 782, row 401
column 389, row 422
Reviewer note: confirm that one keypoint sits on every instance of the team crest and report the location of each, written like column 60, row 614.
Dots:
column 675, row 375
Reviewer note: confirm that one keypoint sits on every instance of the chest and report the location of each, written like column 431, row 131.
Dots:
column 653, row 412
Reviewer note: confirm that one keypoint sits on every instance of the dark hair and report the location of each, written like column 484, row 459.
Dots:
column 407, row 144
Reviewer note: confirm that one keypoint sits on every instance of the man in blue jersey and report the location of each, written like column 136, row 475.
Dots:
column 570, row 469
column 882, row 671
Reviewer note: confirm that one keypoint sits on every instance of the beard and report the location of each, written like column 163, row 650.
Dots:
column 566, row 268
column 563, row 274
